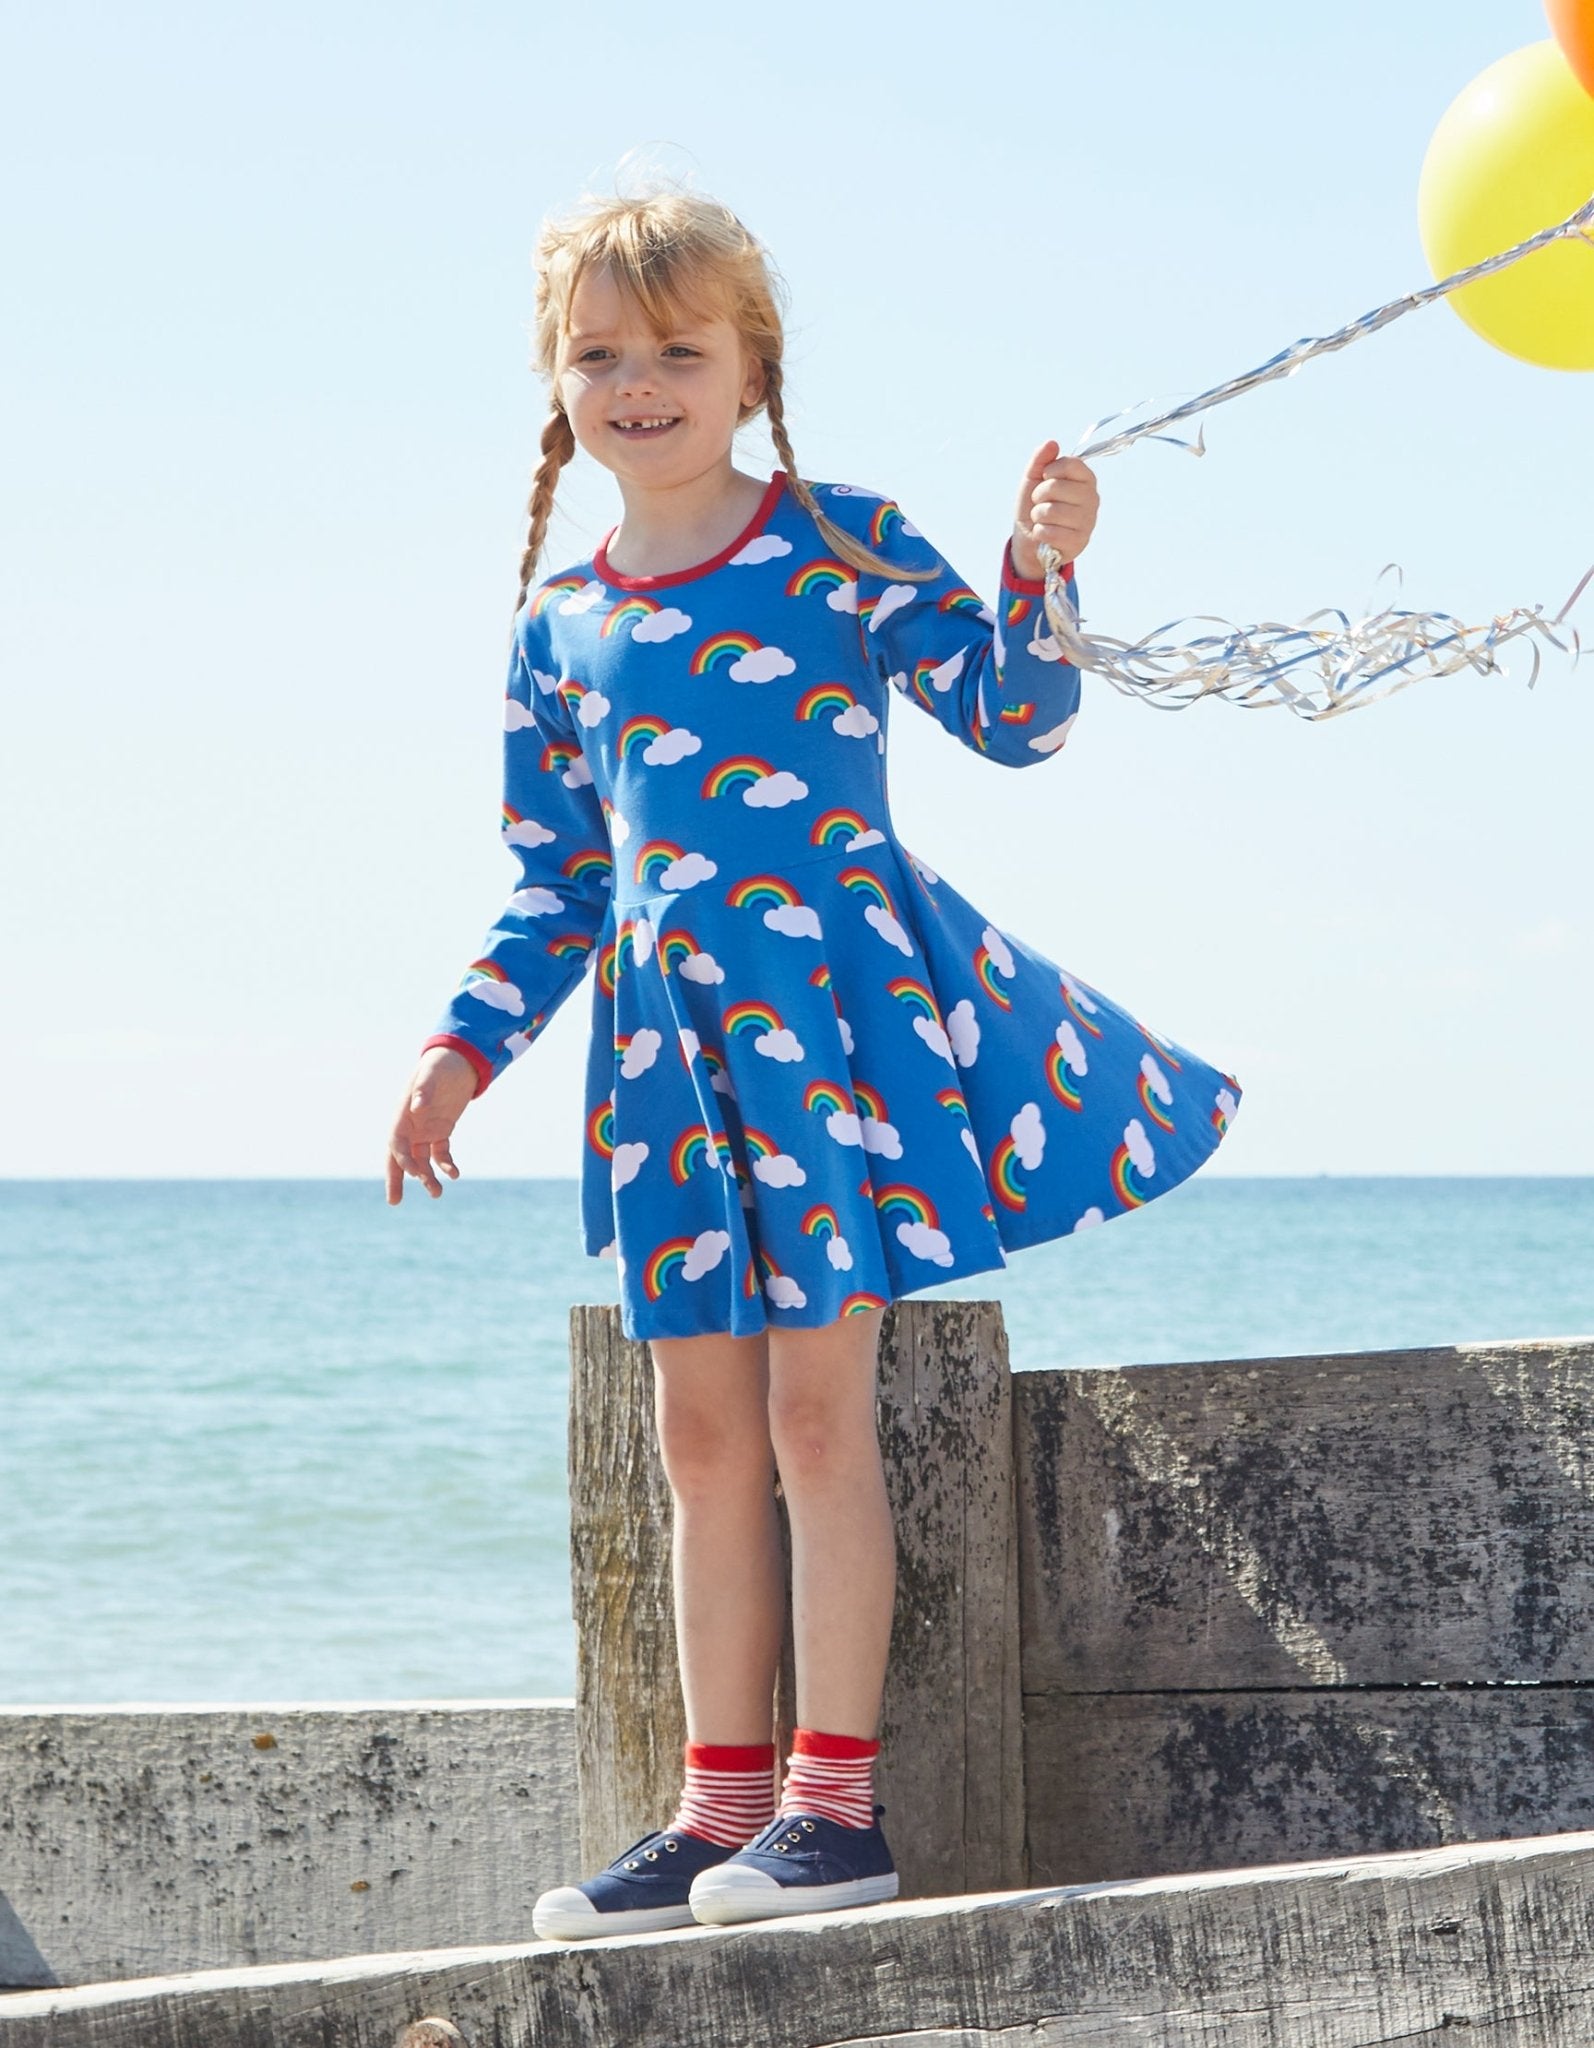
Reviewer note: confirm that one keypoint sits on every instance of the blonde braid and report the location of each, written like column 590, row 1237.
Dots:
column 558, row 447
column 850, row 550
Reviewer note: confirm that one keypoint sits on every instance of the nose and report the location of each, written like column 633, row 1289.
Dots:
column 637, row 374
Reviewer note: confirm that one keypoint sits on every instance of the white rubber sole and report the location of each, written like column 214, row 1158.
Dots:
column 556, row 1917
column 718, row 1899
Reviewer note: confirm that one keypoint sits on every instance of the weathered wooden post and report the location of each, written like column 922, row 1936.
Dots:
column 951, row 1733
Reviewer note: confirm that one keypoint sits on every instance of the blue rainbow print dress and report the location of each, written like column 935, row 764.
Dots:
column 818, row 1078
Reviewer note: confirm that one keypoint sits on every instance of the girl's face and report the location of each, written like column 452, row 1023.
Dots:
column 656, row 409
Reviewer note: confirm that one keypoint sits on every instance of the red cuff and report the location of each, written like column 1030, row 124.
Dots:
column 479, row 1060
column 1027, row 586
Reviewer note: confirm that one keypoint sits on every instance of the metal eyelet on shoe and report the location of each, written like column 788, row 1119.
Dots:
column 672, row 1847
column 808, row 1824
column 632, row 1864
column 793, row 1836
column 780, row 1848
column 651, row 1854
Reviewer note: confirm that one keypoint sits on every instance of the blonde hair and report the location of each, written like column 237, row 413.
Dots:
column 673, row 251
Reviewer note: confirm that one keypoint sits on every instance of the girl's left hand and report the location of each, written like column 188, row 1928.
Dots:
column 1057, row 507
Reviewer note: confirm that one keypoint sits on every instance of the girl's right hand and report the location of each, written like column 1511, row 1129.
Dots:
column 443, row 1082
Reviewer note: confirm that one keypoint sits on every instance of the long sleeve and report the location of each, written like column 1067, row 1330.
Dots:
column 997, row 681
column 554, row 823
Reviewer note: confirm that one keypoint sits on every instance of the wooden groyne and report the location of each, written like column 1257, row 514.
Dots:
column 1188, row 1661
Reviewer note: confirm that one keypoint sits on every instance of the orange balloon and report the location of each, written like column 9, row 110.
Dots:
column 1573, row 22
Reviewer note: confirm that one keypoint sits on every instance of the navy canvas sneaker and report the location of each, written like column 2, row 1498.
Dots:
column 800, row 1863
column 645, row 1888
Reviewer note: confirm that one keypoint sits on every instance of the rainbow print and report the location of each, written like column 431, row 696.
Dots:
column 759, row 1144
column 695, row 1145
column 870, row 1101
column 592, row 863
column 962, row 599
column 624, row 945
column 736, row 772
column 570, row 693
column 907, row 988
column 864, row 882
column 762, row 892
column 824, row 1098
column 987, row 974
column 1071, row 993
column 600, row 1129
column 820, row 978
column 821, row 698
column 560, row 586
column 887, row 520
column 826, row 574
column 677, row 945
column 630, row 611
column 1164, row 1046
column 664, row 1262
column 955, row 1102
column 821, row 1221
column 608, row 970
column 1018, row 609
column 861, row 1301
column 1060, row 1078
column 751, row 1016
column 720, row 650
column 1150, row 1103
column 639, row 732
column 836, row 827
column 557, row 755
column 570, row 945
column 1126, row 1182
column 1016, row 714
column 486, row 970
column 900, row 1202
column 1004, row 1174
column 652, row 855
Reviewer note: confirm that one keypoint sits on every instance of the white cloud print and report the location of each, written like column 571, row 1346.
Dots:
column 839, row 1253
column 661, row 625
column 763, row 547
column 856, row 722
column 1143, row 1159
column 774, row 792
column 690, row 868
column 873, row 837
column 933, row 1035
column 619, row 828
column 641, row 1052
column 708, row 1248
column 700, row 967
column 517, row 716
column 926, row 1242
column 497, row 995
column 946, row 673
column 1156, row 1079
column 785, row 1292
column 844, row 598
column 963, row 1028
column 781, row 1045
column 1073, row 1047
column 997, row 947
column 670, row 746
column 796, row 920
column 761, row 665
column 642, row 940
column 1054, row 736
column 881, row 1137
column 843, row 1126
column 627, row 1162
column 584, row 599
column 892, row 599
column 592, row 707
column 888, row 928
column 779, row 1170
column 536, row 901
column 545, row 682
column 579, row 771
column 1029, row 1135
column 527, row 832
column 1226, row 1102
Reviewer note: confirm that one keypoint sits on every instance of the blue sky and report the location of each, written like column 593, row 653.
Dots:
column 266, row 501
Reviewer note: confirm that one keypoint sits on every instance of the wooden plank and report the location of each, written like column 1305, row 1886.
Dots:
column 1126, row 1785
column 144, row 1839
column 1490, row 1944
column 951, row 1769
column 1376, row 1517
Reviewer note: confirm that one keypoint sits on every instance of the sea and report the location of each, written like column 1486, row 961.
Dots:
column 272, row 1441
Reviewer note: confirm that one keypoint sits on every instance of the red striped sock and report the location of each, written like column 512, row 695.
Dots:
column 729, row 1793
column 832, row 1775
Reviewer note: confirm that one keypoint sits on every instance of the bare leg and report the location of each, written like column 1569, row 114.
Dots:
column 711, row 1403
column 827, row 1444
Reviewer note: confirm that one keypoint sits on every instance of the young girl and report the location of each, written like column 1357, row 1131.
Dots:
column 818, row 1077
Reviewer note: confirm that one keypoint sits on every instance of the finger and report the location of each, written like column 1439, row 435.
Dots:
column 421, row 1167
column 441, row 1156
column 1071, row 466
column 395, row 1177
column 1044, row 454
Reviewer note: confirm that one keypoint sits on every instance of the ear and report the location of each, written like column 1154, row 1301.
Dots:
column 753, row 383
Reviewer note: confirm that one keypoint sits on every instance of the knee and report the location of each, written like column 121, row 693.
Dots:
column 812, row 1436
column 704, row 1451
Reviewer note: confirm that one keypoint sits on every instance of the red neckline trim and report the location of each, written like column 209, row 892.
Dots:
column 766, row 505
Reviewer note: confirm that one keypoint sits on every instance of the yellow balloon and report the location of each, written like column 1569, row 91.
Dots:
column 1513, row 154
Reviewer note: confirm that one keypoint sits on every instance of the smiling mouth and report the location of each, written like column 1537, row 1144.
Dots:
column 643, row 430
